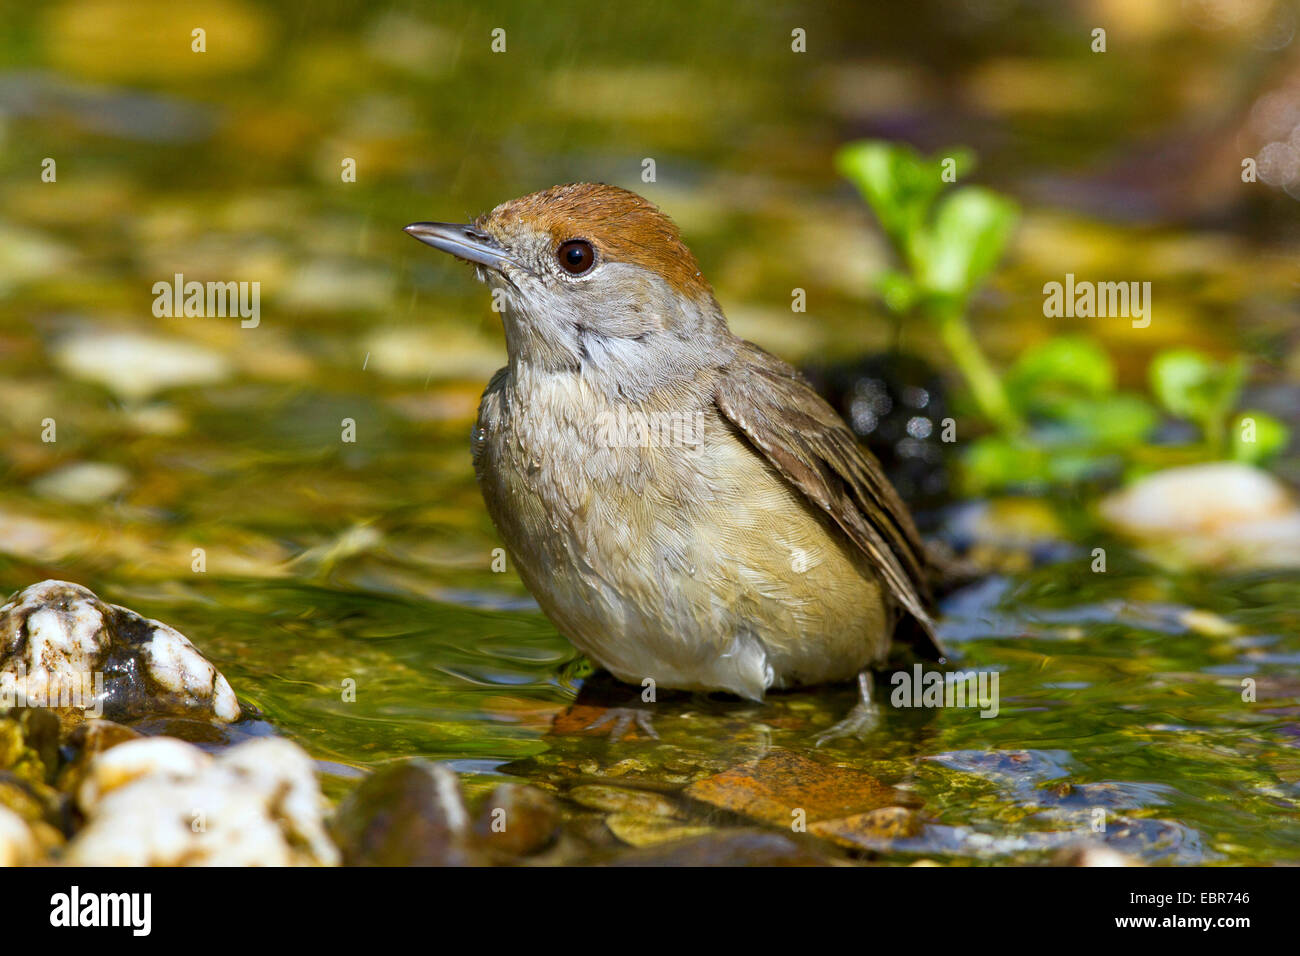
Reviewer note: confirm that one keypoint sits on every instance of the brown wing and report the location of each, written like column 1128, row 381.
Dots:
column 808, row 443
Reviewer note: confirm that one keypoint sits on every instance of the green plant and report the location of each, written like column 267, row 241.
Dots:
column 1081, row 425
column 1191, row 385
column 947, row 248
column 1059, row 415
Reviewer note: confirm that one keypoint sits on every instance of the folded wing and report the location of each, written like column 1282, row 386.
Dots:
column 810, row 445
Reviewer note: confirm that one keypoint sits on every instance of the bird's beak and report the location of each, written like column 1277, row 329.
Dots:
column 464, row 242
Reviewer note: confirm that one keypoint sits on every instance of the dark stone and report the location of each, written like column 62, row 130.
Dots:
column 66, row 649
column 406, row 814
column 517, row 820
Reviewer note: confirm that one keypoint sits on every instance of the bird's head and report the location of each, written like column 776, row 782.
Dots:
column 594, row 279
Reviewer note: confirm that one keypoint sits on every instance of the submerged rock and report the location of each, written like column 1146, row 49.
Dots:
column 516, row 820
column 623, row 800
column 407, row 814
column 163, row 802
column 785, row 787
column 733, row 847
column 645, row 829
column 874, row 830
column 135, row 366
column 637, row 817
column 1222, row 514
column 61, row 646
column 85, row 482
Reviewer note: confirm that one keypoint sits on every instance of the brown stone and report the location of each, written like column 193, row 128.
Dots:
column 517, row 820
column 873, row 830
column 406, row 814
column 772, row 788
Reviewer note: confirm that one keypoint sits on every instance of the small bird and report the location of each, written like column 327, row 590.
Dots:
column 682, row 504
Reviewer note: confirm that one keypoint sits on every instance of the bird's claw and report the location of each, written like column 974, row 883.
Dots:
column 623, row 719
column 862, row 719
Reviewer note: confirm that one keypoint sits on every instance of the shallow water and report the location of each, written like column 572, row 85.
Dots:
column 330, row 562
column 1108, row 699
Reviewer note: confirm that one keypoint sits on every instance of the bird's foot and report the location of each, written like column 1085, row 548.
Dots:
column 862, row 719
column 623, row 719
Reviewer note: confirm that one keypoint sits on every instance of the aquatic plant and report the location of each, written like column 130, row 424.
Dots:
column 1058, row 413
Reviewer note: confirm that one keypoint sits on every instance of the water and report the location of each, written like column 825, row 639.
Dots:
column 348, row 591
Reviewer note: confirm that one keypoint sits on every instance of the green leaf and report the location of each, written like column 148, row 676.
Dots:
column 1111, row 422
column 1065, row 365
column 898, row 290
column 969, row 234
column 1191, row 385
column 1072, row 465
column 1258, row 437
column 995, row 462
column 897, row 182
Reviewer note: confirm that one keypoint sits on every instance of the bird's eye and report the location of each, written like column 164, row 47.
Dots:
column 576, row 256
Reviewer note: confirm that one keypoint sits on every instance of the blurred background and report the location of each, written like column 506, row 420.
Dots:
column 325, row 559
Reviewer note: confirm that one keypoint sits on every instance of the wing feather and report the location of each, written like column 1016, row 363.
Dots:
column 809, row 444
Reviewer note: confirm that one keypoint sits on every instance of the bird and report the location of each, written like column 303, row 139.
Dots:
column 682, row 505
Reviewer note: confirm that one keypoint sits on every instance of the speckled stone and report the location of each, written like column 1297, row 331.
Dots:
column 61, row 646
column 18, row 845
column 162, row 802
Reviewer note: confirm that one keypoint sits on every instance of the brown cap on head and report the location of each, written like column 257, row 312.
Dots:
column 622, row 226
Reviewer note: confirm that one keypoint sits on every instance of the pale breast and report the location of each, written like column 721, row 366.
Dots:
column 692, row 564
